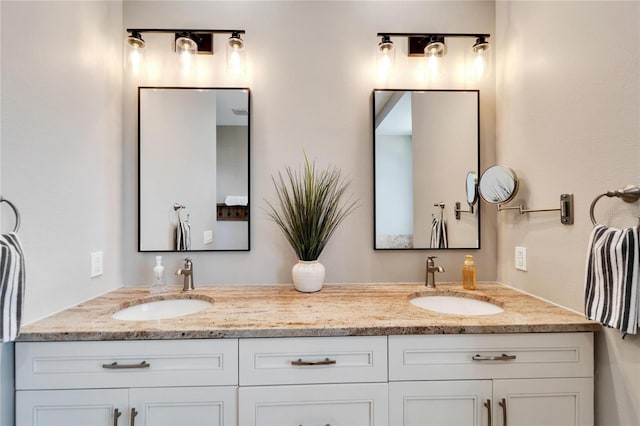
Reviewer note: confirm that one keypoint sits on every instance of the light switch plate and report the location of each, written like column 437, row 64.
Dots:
column 521, row 258
column 207, row 237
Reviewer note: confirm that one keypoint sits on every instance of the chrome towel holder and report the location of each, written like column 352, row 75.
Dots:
column 15, row 211
column 628, row 194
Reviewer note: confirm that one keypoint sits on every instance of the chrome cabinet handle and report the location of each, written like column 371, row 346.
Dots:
column 503, row 404
column 116, row 414
column 326, row 361
column 115, row 366
column 132, row 418
column 488, row 405
column 503, row 357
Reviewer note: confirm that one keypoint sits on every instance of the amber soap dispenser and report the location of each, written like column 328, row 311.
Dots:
column 469, row 273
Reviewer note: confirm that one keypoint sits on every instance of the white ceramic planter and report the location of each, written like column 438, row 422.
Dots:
column 308, row 276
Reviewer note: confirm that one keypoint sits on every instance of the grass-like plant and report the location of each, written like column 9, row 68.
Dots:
column 312, row 203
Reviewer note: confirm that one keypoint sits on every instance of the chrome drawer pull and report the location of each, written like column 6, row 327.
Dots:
column 503, row 357
column 326, row 361
column 115, row 366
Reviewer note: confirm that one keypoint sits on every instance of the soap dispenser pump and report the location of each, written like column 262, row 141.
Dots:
column 159, row 284
column 469, row 273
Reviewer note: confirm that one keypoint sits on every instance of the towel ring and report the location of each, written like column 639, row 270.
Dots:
column 15, row 211
column 628, row 194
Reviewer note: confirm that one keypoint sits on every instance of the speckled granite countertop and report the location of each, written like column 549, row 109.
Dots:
column 281, row 311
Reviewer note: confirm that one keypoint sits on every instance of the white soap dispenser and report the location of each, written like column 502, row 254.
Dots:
column 159, row 284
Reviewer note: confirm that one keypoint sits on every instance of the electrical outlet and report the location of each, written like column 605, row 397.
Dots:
column 521, row 258
column 207, row 237
column 96, row 264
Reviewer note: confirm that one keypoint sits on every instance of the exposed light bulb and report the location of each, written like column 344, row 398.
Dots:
column 385, row 58
column 134, row 52
column 236, row 61
column 135, row 60
column 478, row 63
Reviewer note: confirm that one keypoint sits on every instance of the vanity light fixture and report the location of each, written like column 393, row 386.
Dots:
column 135, row 40
column 435, row 47
column 386, row 57
column 235, row 54
column 432, row 46
column 187, row 42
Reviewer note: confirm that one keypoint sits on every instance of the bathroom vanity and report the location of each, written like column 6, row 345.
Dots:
column 348, row 355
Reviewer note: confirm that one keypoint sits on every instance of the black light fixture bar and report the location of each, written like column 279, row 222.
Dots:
column 418, row 41
column 202, row 37
column 434, row 34
column 182, row 30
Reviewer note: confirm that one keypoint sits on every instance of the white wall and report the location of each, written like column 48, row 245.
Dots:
column 61, row 138
column 311, row 70
column 568, row 120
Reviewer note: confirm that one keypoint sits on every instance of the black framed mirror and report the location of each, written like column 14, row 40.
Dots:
column 193, row 169
column 426, row 144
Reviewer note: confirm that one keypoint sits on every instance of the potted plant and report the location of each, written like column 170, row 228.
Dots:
column 311, row 205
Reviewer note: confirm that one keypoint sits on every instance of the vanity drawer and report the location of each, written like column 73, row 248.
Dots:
column 490, row 356
column 313, row 360
column 139, row 363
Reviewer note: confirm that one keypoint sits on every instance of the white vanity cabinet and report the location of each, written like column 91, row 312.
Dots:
column 127, row 383
column 493, row 380
column 337, row 381
column 418, row 380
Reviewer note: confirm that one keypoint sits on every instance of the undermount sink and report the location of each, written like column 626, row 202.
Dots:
column 161, row 309
column 456, row 305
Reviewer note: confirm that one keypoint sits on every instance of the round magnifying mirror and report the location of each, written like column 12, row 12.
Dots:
column 498, row 185
column 472, row 188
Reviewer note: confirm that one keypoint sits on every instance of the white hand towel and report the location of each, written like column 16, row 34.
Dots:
column 236, row 200
column 12, row 279
column 612, row 294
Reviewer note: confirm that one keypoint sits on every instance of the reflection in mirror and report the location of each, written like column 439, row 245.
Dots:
column 193, row 185
column 425, row 142
column 472, row 188
column 498, row 185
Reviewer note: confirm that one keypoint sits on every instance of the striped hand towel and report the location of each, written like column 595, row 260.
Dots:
column 612, row 290
column 438, row 233
column 183, row 235
column 12, row 276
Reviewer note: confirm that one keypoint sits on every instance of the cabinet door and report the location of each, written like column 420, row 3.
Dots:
column 194, row 406
column 103, row 407
column 440, row 403
column 549, row 402
column 313, row 405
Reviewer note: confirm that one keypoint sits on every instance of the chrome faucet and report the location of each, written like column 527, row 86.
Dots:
column 187, row 271
column 430, row 281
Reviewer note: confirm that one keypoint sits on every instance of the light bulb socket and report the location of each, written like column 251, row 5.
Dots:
column 385, row 45
column 186, row 43
column 135, row 40
column 435, row 46
column 235, row 41
column 481, row 45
